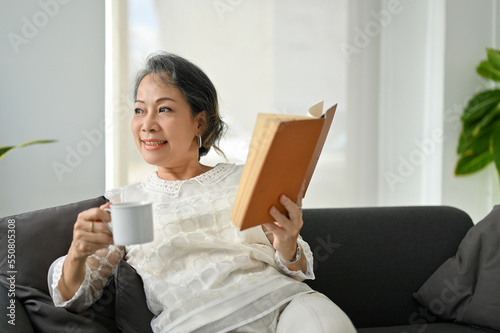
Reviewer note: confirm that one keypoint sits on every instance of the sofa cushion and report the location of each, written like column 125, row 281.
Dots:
column 45, row 317
column 466, row 287
column 132, row 313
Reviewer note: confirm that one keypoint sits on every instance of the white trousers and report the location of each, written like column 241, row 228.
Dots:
column 313, row 313
column 306, row 313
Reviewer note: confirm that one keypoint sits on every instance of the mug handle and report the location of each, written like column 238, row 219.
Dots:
column 110, row 227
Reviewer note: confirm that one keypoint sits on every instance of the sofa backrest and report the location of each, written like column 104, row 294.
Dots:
column 369, row 261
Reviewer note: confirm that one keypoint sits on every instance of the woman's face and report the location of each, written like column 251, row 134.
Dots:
column 163, row 126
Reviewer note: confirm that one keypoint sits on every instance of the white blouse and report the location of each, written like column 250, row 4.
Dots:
column 201, row 273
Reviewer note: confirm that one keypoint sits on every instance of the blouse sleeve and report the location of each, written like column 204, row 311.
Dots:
column 299, row 275
column 115, row 195
column 100, row 267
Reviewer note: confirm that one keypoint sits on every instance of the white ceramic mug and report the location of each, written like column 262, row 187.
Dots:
column 132, row 222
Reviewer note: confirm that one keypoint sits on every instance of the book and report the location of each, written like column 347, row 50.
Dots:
column 283, row 153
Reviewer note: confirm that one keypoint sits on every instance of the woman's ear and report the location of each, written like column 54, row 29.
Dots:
column 202, row 119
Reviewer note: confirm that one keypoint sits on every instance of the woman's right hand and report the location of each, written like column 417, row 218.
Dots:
column 87, row 241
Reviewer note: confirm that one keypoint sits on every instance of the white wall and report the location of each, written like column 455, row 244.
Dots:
column 471, row 26
column 411, row 102
column 51, row 87
column 409, row 80
column 362, row 56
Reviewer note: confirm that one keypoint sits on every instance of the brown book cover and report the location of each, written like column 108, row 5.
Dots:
column 283, row 152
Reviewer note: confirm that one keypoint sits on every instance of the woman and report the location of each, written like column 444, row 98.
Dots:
column 201, row 274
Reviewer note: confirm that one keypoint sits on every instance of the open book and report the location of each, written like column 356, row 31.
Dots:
column 283, row 153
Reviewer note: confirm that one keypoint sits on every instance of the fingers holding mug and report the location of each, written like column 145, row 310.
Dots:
column 90, row 233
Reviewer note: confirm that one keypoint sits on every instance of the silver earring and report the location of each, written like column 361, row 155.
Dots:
column 199, row 140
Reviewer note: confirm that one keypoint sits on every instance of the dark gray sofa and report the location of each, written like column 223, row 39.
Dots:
column 369, row 261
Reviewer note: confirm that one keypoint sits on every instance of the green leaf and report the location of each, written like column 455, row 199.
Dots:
column 487, row 70
column 475, row 145
column 470, row 164
column 461, row 148
column 479, row 142
column 472, row 131
column 5, row 150
column 494, row 58
column 495, row 145
column 480, row 104
column 488, row 119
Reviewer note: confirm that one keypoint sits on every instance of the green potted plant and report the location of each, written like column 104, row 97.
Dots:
column 5, row 150
column 479, row 142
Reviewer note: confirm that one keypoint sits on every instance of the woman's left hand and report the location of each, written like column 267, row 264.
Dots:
column 285, row 230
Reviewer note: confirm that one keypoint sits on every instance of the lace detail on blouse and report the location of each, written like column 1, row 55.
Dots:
column 102, row 265
column 168, row 188
column 100, row 268
column 171, row 188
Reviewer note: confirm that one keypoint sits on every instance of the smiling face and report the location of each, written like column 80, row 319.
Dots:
column 164, row 128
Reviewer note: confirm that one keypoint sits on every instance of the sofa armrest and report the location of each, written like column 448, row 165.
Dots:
column 369, row 261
